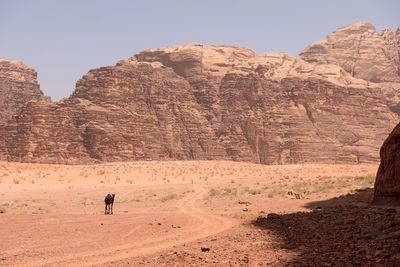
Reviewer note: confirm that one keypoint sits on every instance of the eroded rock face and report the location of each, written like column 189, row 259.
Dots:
column 299, row 120
column 361, row 51
column 137, row 111
column 275, row 108
column 18, row 85
column 387, row 185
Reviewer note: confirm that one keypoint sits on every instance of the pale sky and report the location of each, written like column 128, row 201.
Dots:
column 63, row 40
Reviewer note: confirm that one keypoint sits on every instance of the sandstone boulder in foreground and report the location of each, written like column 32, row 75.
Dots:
column 387, row 185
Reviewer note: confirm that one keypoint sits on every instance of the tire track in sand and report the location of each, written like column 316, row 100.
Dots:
column 200, row 225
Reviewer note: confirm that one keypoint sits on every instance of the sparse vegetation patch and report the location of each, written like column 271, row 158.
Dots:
column 214, row 192
column 168, row 197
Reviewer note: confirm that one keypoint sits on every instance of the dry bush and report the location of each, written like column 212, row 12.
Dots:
column 214, row 192
column 168, row 197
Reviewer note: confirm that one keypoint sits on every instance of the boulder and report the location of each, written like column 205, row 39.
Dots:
column 387, row 184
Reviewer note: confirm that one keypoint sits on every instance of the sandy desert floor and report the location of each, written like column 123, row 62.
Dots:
column 194, row 213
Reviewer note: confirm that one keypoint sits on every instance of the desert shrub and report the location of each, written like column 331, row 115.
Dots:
column 245, row 190
column 168, row 197
column 365, row 180
column 250, row 191
column 230, row 191
column 214, row 192
column 254, row 191
column 323, row 187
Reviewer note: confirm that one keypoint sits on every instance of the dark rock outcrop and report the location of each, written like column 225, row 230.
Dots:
column 387, row 185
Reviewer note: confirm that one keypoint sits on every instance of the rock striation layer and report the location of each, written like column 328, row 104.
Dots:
column 18, row 85
column 42, row 133
column 209, row 102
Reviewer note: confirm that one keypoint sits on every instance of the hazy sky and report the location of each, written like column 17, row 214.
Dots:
column 62, row 40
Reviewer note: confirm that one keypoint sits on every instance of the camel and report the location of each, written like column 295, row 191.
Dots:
column 109, row 200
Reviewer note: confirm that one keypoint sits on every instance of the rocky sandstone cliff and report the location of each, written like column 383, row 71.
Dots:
column 18, row 85
column 130, row 111
column 209, row 102
column 275, row 108
column 136, row 111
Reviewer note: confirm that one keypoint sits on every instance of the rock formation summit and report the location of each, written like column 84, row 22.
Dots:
column 209, row 102
column 18, row 85
column 361, row 51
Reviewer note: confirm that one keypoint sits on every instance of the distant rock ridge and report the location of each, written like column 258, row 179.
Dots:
column 212, row 102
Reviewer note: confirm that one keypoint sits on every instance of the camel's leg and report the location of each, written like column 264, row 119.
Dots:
column 111, row 205
column 105, row 209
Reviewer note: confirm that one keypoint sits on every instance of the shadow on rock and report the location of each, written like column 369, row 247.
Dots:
column 343, row 231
